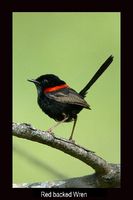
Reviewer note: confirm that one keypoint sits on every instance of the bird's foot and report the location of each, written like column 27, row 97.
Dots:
column 71, row 140
column 50, row 131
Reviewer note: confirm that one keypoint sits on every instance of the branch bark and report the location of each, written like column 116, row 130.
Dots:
column 106, row 175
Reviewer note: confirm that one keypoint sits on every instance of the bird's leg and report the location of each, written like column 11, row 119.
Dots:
column 51, row 129
column 74, row 124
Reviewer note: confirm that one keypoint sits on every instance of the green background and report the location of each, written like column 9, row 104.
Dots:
column 72, row 46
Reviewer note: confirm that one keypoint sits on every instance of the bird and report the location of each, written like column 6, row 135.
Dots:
column 61, row 102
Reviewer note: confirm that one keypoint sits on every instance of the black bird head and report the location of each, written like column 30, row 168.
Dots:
column 47, row 81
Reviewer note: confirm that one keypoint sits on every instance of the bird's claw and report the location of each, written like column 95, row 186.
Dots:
column 50, row 131
column 72, row 141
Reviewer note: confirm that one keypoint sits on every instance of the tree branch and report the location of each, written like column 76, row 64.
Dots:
column 90, row 181
column 104, row 171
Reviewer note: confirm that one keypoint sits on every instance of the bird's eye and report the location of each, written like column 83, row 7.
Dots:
column 45, row 81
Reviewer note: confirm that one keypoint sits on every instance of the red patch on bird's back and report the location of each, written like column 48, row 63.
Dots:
column 55, row 88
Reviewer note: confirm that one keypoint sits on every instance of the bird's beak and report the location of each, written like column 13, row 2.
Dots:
column 34, row 81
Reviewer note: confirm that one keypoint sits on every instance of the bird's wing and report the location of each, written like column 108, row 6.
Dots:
column 68, row 96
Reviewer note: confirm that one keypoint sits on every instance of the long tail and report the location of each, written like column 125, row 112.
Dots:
column 104, row 66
